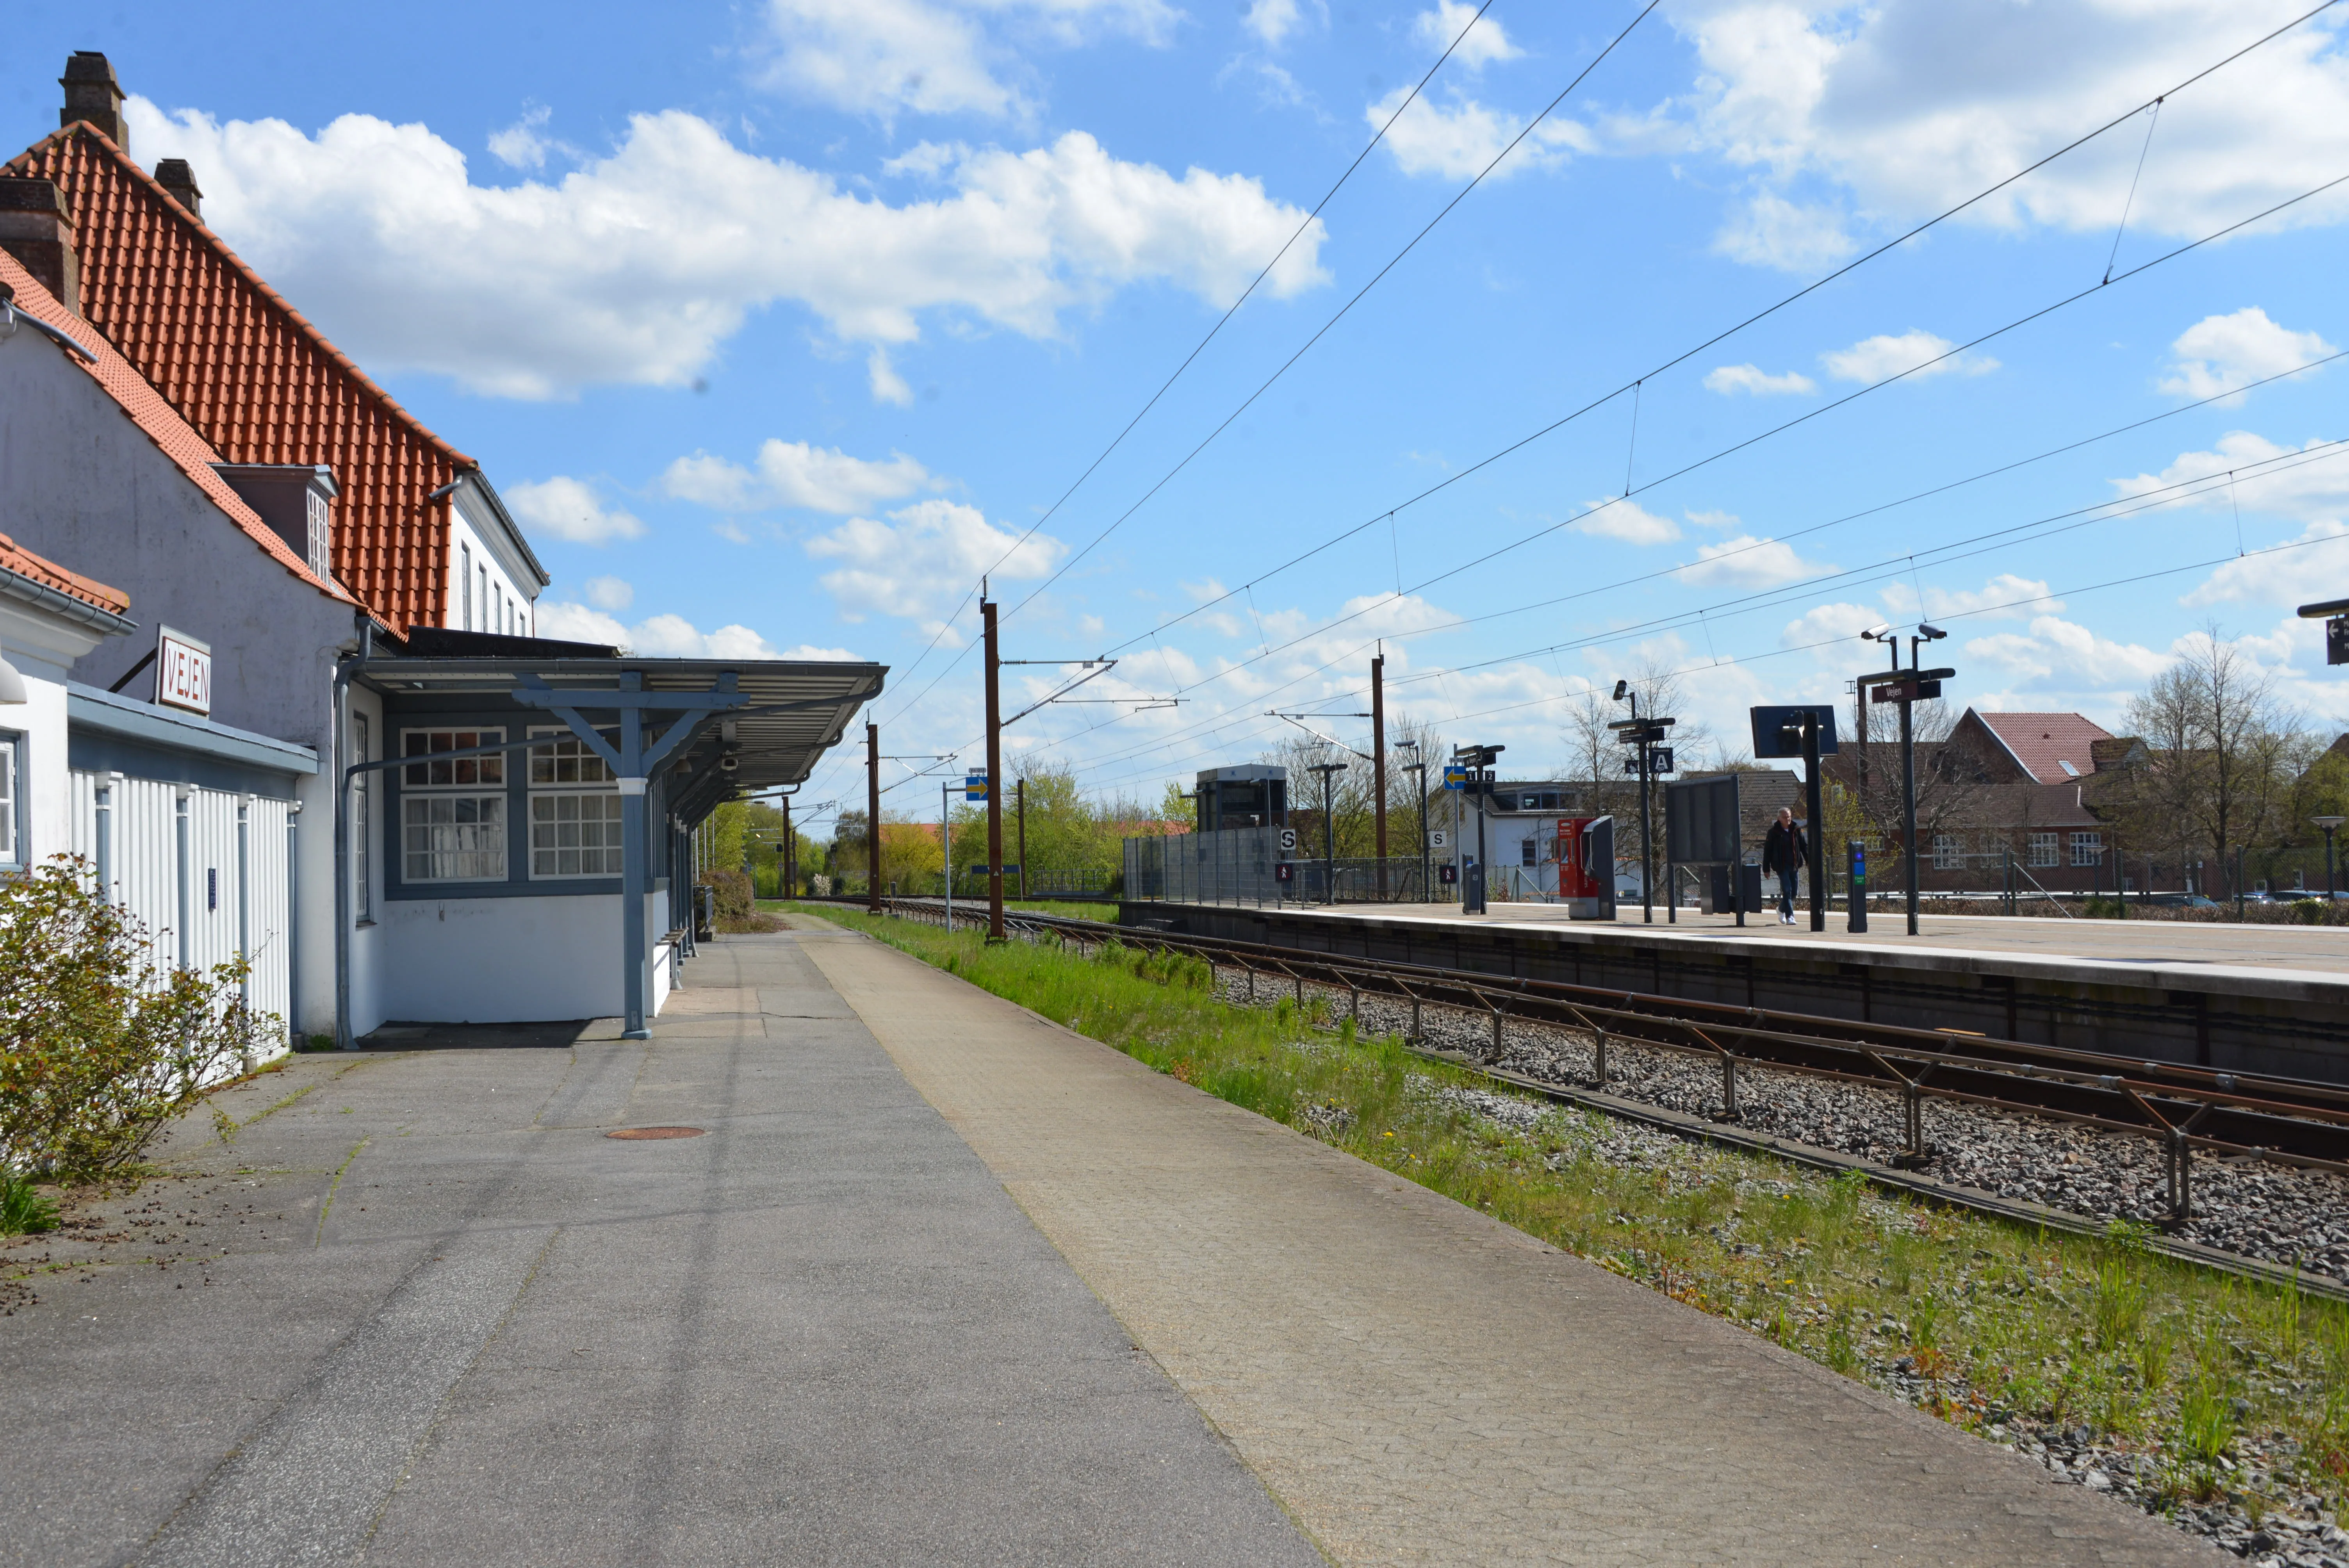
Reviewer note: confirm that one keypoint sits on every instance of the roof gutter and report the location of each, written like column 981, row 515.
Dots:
column 63, row 606
column 12, row 316
column 506, row 522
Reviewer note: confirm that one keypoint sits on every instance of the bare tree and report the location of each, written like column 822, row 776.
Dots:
column 2220, row 748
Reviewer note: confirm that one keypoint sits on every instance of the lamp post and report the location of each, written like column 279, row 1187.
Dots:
column 1329, row 833
column 1908, row 687
column 1419, row 768
column 2328, row 824
column 1641, row 733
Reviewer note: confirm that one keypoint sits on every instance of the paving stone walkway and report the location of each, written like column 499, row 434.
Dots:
column 1419, row 1383
column 423, row 1311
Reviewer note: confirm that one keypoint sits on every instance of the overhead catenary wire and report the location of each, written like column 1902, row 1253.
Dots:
column 1758, row 316
column 1200, row 348
column 1779, row 306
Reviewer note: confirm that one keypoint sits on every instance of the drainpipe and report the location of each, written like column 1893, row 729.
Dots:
column 106, row 838
column 244, row 898
column 293, row 925
column 340, row 742
column 187, row 935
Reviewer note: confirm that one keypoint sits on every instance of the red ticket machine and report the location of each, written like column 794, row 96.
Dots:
column 1585, row 867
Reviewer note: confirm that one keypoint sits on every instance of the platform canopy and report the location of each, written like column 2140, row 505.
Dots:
column 791, row 711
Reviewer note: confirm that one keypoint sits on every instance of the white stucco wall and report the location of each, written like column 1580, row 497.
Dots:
column 475, row 537
column 84, row 486
column 508, row 960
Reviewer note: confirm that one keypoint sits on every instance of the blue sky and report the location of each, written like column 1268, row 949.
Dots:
column 778, row 322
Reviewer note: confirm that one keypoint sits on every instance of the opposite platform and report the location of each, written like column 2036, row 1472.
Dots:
column 2252, row 998
column 1422, row 1385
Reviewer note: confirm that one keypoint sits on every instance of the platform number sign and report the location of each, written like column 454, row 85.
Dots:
column 1288, row 841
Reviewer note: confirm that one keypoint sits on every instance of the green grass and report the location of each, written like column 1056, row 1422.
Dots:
column 24, row 1209
column 1105, row 912
column 2013, row 1330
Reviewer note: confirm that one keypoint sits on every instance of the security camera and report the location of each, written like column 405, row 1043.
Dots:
column 1930, row 633
column 1621, row 687
column 728, row 762
column 1875, row 633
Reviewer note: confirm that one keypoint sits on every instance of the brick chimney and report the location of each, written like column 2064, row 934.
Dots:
column 92, row 94
column 174, row 175
column 37, row 229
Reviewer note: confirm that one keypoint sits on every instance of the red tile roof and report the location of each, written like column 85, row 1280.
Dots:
column 2043, row 742
column 160, row 422
column 15, row 557
column 251, row 376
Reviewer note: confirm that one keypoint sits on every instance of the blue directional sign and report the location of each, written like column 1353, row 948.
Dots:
column 973, row 786
column 1455, row 777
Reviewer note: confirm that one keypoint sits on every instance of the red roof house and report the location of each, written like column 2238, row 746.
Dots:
column 2043, row 748
column 254, row 378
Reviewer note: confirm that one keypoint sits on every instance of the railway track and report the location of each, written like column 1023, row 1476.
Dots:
column 2183, row 1110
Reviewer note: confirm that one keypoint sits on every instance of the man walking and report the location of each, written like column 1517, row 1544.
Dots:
column 1783, row 852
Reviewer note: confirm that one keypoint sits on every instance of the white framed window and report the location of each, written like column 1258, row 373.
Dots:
column 2087, row 849
column 1947, row 853
column 1526, row 849
column 575, row 809
column 452, row 810
column 320, row 517
column 2044, row 848
column 465, row 584
column 12, row 794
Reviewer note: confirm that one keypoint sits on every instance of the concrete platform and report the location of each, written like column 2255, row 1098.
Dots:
column 1420, row 1384
column 2252, row 998
column 428, row 1313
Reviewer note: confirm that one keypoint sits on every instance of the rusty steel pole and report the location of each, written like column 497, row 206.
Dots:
column 872, row 811
column 994, row 779
column 1379, row 763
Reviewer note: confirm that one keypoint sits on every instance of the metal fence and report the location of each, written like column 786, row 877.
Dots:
column 1044, row 883
column 1240, row 865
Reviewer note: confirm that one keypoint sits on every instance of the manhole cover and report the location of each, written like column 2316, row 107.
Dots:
column 655, row 1133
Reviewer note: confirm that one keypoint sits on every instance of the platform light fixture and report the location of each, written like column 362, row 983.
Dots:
column 1930, row 633
column 1875, row 633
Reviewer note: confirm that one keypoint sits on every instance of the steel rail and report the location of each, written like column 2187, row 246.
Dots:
column 2179, row 1106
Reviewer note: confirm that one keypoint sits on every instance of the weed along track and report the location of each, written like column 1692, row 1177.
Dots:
column 2216, row 1398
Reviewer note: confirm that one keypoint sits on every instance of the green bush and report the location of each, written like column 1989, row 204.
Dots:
column 99, row 1048
column 22, row 1208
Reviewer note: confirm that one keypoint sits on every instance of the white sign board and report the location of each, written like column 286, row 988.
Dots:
column 1288, row 841
column 183, row 672
column 1439, row 840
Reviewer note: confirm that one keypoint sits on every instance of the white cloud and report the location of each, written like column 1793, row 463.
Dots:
column 1915, row 105
column 1747, row 562
column 1724, row 520
column 920, row 562
column 1485, row 44
column 2280, row 576
column 1771, row 232
column 1829, row 624
column 2064, row 655
column 660, row 637
column 888, row 386
column 795, row 473
column 1626, row 520
column 2221, row 352
column 608, row 593
column 636, row 266
column 884, row 56
column 1883, row 356
column 1456, row 140
column 2306, row 491
column 569, row 509
column 1272, row 21
column 521, row 144
column 1727, row 379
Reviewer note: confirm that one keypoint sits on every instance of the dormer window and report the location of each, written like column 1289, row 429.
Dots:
column 296, row 501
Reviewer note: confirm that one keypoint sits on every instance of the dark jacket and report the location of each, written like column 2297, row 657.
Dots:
column 1786, row 849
